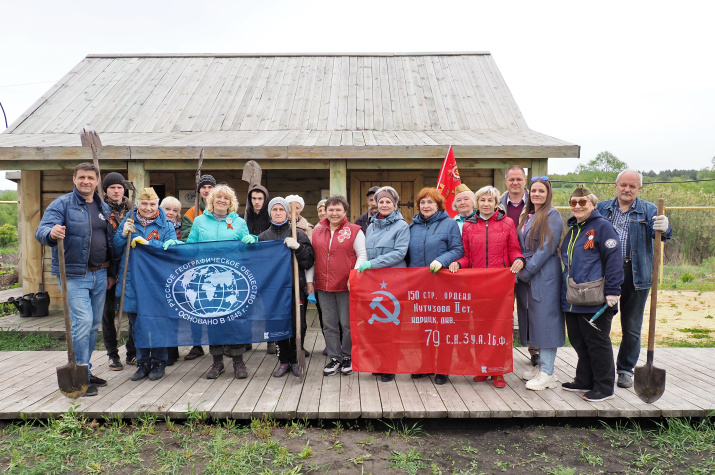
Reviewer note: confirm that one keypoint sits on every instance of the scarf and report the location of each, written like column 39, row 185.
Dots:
column 118, row 210
column 147, row 221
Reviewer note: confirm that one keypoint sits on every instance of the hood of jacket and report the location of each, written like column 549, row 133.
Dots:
column 391, row 218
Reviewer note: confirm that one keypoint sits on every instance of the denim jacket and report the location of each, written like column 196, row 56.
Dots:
column 642, row 235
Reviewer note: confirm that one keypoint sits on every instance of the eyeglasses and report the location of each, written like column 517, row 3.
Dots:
column 582, row 202
column 545, row 178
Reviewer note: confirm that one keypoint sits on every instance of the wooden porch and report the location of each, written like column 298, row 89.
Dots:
column 28, row 386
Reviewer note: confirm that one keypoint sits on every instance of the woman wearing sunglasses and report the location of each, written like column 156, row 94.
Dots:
column 538, row 284
column 590, row 252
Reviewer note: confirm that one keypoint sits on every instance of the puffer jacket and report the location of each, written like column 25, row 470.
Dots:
column 387, row 241
column 156, row 233
column 436, row 238
column 489, row 243
column 70, row 210
column 304, row 254
column 207, row 228
column 591, row 250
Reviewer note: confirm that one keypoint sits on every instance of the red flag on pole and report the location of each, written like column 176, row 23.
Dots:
column 448, row 181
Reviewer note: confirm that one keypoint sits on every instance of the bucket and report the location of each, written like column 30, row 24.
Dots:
column 23, row 306
column 40, row 304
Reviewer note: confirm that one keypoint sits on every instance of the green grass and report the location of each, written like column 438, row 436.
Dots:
column 13, row 340
column 11, row 249
column 690, row 277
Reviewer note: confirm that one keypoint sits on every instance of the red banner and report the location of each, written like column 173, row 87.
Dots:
column 410, row 320
column 448, row 181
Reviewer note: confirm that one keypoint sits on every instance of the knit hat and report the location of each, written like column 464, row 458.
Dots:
column 321, row 203
column 147, row 194
column 297, row 199
column 387, row 192
column 460, row 188
column 581, row 190
column 372, row 190
column 113, row 178
column 278, row 200
column 205, row 180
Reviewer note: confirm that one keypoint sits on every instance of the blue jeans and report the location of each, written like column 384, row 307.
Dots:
column 632, row 306
column 86, row 302
column 148, row 355
column 547, row 357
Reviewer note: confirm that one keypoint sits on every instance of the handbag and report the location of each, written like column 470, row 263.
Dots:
column 588, row 294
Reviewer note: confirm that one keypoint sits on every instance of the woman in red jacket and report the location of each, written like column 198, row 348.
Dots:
column 489, row 239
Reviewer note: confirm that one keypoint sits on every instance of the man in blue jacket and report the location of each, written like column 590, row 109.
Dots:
column 636, row 223
column 82, row 219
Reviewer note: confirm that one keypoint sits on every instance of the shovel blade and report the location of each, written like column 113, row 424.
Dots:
column 88, row 136
column 73, row 379
column 649, row 383
column 252, row 173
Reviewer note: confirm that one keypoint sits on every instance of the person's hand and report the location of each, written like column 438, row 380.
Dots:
column 435, row 266
column 517, row 266
column 454, row 267
column 309, row 288
column 291, row 243
column 365, row 266
column 611, row 300
column 110, row 282
column 57, row 232
column 250, row 239
column 128, row 227
column 522, row 277
column 171, row 242
column 660, row 223
column 139, row 240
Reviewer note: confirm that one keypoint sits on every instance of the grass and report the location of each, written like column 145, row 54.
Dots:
column 690, row 277
column 14, row 340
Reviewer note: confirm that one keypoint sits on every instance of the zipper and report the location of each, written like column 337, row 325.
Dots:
column 487, row 224
column 90, row 236
column 569, row 253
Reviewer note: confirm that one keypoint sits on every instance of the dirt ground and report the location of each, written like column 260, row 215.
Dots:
column 677, row 310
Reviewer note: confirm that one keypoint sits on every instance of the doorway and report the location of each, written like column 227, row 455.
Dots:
column 406, row 183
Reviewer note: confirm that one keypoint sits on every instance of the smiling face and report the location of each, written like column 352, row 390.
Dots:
column 172, row 212
column 86, row 182
column 627, row 188
column 486, row 205
column 335, row 214
column 581, row 207
column 221, row 203
column 428, row 207
column 464, row 203
column 147, row 208
column 538, row 194
column 515, row 183
column 278, row 214
column 385, row 206
column 322, row 214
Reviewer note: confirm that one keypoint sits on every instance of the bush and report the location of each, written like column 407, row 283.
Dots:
column 8, row 234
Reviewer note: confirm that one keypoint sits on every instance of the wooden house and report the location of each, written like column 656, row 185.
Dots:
column 318, row 124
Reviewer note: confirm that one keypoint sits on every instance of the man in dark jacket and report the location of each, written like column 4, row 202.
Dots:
column 119, row 205
column 82, row 219
column 256, row 214
column 364, row 220
column 281, row 229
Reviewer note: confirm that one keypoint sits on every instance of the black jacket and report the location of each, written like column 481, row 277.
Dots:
column 257, row 222
column 304, row 254
column 364, row 221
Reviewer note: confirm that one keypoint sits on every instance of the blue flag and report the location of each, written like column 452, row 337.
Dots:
column 215, row 292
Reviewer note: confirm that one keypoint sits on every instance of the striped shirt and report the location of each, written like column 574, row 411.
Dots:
column 620, row 223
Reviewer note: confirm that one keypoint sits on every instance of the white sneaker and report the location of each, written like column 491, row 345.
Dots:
column 532, row 373
column 542, row 381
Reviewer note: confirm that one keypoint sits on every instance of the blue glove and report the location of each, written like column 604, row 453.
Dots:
column 364, row 266
column 171, row 242
column 249, row 239
column 312, row 299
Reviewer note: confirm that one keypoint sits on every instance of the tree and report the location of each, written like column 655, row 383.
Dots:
column 605, row 162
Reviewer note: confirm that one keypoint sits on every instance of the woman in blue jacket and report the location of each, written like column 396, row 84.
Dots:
column 153, row 229
column 591, row 251
column 435, row 241
column 387, row 239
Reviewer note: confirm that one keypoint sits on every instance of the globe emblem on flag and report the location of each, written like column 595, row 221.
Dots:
column 211, row 290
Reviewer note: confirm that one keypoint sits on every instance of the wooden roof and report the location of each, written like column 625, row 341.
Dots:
column 291, row 106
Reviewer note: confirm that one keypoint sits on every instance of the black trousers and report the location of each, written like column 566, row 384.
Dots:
column 595, row 368
column 287, row 351
column 109, row 331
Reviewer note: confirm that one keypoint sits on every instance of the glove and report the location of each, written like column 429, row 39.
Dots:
column 660, row 223
column 435, row 266
column 249, row 239
column 291, row 243
column 139, row 240
column 171, row 242
column 128, row 227
column 364, row 266
column 312, row 299
column 611, row 300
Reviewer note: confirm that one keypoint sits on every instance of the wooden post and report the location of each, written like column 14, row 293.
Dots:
column 339, row 177
column 137, row 174
column 28, row 218
column 539, row 167
column 499, row 179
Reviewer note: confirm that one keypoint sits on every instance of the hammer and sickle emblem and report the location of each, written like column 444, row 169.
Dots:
column 389, row 316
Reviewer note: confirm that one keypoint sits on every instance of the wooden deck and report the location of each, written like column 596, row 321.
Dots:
column 28, row 385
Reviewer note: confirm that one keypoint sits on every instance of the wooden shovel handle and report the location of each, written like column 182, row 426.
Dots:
column 126, row 265
column 65, row 300
column 296, row 293
column 654, row 287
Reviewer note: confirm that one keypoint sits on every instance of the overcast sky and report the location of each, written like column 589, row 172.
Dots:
column 634, row 78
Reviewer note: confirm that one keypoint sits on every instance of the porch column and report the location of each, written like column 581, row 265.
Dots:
column 137, row 174
column 338, row 177
column 29, row 194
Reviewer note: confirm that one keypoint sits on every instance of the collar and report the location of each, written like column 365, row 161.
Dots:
column 515, row 203
column 617, row 205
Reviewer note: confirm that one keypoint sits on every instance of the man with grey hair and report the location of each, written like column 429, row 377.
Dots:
column 636, row 222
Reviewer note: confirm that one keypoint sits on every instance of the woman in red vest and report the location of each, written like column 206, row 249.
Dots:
column 339, row 247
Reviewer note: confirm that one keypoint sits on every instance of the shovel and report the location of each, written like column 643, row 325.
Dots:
column 649, row 381
column 89, row 138
column 130, row 186
column 296, row 295
column 596, row 315
column 72, row 378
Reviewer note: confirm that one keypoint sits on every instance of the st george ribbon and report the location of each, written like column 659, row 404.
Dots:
column 215, row 292
column 410, row 320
